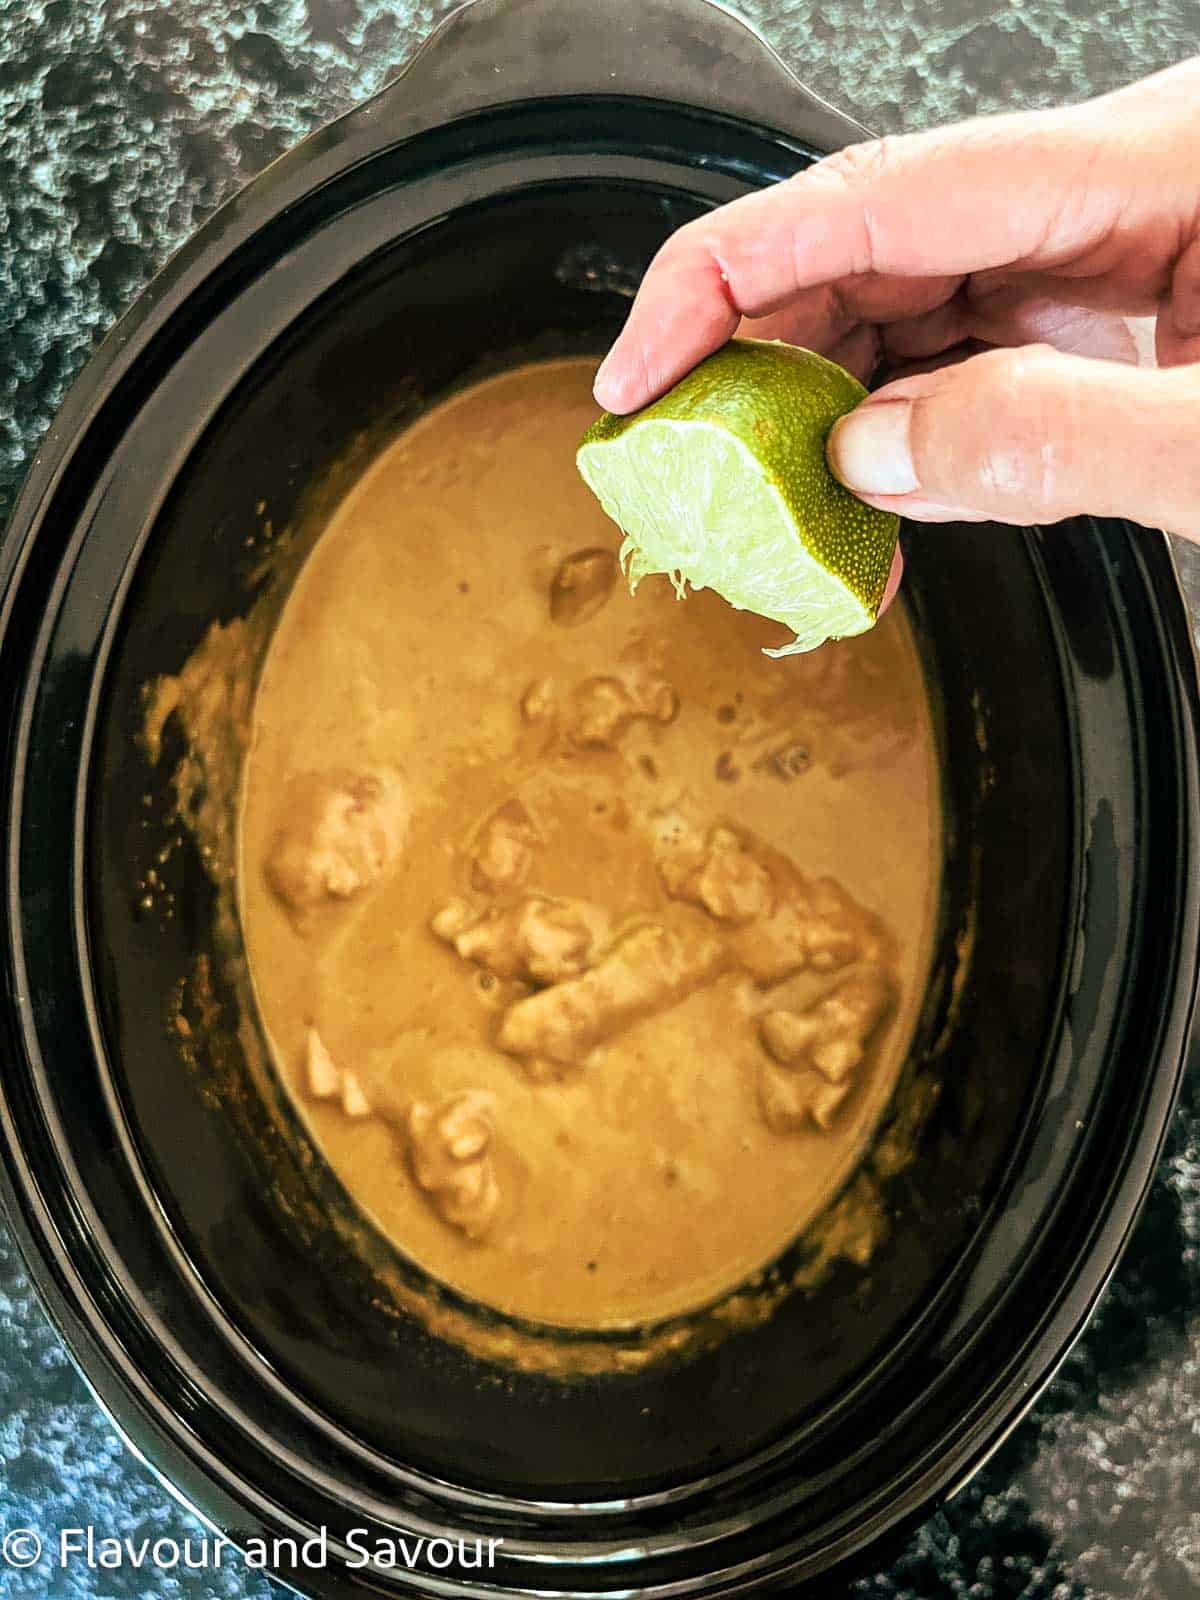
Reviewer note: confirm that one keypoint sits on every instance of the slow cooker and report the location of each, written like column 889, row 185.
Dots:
column 500, row 200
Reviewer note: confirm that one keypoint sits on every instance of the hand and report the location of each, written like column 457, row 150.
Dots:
column 994, row 263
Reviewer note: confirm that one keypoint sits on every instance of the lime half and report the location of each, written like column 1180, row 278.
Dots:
column 722, row 484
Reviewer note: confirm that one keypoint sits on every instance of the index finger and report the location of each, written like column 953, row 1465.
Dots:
column 956, row 200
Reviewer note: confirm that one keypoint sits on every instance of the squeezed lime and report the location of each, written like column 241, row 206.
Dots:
column 722, row 483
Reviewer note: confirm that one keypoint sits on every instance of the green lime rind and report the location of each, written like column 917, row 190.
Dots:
column 722, row 483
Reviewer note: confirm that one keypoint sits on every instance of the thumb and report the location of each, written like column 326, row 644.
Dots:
column 1029, row 435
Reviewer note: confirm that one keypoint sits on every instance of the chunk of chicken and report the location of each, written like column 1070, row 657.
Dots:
column 327, row 1081
column 449, row 1148
column 539, row 700
column 788, row 1099
column 779, row 922
column 817, row 1051
column 354, row 1100
column 582, row 585
column 503, row 848
column 812, row 925
column 341, row 832
column 320, row 1071
column 833, row 1033
column 648, row 970
column 719, row 873
column 536, row 940
column 453, row 917
column 603, row 708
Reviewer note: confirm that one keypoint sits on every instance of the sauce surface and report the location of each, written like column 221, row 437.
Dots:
column 588, row 939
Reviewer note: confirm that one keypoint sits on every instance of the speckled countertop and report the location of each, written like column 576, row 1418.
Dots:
column 122, row 124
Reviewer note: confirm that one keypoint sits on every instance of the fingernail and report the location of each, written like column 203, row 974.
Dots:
column 606, row 387
column 869, row 449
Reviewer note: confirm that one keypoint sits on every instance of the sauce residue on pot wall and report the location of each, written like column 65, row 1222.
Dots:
column 588, row 941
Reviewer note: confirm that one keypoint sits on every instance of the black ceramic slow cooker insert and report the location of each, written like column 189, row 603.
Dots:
column 500, row 200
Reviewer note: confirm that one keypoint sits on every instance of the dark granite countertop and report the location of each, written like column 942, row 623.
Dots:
column 122, row 124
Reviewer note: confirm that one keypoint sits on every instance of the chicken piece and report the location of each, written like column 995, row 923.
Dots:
column 450, row 921
column 538, row 701
column 540, row 718
column 449, row 1149
column 647, row 971
column 720, row 874
column 817, row 1050
column 834, row 1032
column 327, row 1081
column 503, row 848
column 342, row 831
column 604, row 708
column 320, row 1071
column 354, row 1101
column 582, row 585
column 812, row 925
column 534, row 941
column 788, row 1099
column 780, row 923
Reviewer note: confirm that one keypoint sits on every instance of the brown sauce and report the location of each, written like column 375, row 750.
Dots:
column 588, row 939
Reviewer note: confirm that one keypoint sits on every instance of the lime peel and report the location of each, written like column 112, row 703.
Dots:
column 722, row 483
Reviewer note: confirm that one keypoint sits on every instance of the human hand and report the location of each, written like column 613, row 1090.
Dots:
column 995, row 264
